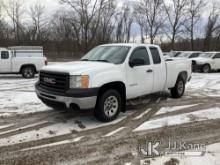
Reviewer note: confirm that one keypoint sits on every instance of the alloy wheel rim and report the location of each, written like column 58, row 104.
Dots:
column 111, row 106
column 180, row 87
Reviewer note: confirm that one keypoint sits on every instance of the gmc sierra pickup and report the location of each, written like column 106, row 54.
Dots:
column 109, row 75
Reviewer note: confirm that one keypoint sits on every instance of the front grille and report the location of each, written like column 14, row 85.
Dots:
column 57, row 82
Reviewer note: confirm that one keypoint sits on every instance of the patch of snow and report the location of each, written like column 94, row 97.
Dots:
column 114, row 132
column 142, row 114
column 14, row 103
column 6, row 126
column 77, row 139
column 25, row 127
column 164, row 110
column 205, row 84
column 208, row 114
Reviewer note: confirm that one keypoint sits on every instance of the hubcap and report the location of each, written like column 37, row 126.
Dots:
column 180, row 87
column 111, row 106
column 28, row 73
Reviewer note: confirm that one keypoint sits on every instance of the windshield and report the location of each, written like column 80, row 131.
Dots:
column 206, row 55
column 111, row 54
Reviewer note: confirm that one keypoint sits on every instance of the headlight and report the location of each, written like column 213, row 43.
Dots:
column 79, row 81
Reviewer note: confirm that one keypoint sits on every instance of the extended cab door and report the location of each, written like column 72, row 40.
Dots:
column 139, row 77
column 5, row 62
column 159, row 69
column 216, row 59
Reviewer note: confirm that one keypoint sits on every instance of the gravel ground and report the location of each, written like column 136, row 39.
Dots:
column 31, row 133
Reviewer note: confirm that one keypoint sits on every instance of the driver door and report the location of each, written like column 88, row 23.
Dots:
column 140, row 78
column 5, row 62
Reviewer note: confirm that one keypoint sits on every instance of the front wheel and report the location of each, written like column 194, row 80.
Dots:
column 28, row 72
column 108, row 106
column 179, row 88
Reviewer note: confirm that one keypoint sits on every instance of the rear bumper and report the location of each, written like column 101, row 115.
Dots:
column 82, row 98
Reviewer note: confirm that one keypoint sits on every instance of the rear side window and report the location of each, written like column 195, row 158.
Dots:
column 4, row 55
column 217, row 55
column 141, row 53
column 155, row 55
column 194, row 55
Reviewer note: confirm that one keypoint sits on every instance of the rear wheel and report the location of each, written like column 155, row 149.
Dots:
column 179, row 88
column 206, row 68
column 108, row 106
column 28, row 72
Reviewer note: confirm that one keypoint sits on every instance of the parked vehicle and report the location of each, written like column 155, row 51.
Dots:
column 25, row 60
column 175, row 53
column 109, row 75
column 188, row 54
column 206, row 62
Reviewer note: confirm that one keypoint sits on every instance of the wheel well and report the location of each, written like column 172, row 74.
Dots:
column 119, row 86
column 184, row 75
column 28, row 65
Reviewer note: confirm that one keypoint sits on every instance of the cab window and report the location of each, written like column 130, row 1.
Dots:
column 155, row 55
column 4, row 55
column 141, row 53
column 194, row 55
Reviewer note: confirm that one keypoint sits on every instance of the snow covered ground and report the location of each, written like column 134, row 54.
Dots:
column 37, row 124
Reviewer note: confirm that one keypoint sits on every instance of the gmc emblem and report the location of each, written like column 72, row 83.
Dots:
column 49, row 80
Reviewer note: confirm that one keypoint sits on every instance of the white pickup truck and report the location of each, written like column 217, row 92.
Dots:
column 25, row 60
column 206, row 62
column 109, row 75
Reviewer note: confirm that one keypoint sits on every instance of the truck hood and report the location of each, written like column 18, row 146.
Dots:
column 78, row 67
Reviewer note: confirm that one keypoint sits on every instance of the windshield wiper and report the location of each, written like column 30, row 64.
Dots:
column 84, row 60
column 95, row 60
column 102, row 61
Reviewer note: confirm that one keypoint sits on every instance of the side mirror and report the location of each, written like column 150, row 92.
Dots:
column 136, row 62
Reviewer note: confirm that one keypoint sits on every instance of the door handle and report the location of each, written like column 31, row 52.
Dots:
column 149, row 71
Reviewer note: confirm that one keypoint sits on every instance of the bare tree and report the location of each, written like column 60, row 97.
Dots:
column 176, row 18
column 86, row 19
column 211, row 27
column 15, row 11
column 106, row 22
column 153, row 13
column 36, row 13
column 194, row 11
column 124, row 23
column 138, row 15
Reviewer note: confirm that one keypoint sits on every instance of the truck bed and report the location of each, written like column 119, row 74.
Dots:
column 174, row 67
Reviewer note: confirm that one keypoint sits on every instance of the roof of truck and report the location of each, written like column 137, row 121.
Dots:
column 25, row 48
column 128, row 44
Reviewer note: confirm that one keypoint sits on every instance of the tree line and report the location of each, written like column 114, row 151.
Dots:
column 79, row 25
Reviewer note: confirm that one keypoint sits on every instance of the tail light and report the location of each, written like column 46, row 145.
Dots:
column 46, row 62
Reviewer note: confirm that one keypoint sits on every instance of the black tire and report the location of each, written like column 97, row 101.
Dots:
column 109, row 105
column 206, row 68
column 28, row 72
column 179, row 88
